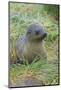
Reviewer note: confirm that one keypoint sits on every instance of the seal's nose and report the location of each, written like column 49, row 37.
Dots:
column 44, row 35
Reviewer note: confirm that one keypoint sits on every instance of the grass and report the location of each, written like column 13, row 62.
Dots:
column 21, row 16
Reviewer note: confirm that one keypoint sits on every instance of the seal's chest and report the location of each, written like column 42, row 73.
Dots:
column 33, row 48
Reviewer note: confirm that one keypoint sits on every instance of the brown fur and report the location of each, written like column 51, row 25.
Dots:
column 30, row 46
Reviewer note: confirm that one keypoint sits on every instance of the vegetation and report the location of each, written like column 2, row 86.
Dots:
column 21, row 16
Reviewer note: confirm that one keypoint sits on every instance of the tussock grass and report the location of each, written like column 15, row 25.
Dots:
column 21, row 15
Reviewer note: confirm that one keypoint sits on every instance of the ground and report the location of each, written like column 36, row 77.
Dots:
column 37, row 73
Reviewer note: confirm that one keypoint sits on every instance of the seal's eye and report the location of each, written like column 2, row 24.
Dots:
column 29, row 32
column 37, row 32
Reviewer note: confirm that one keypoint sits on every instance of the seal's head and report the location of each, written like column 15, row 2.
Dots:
column 36, row 32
